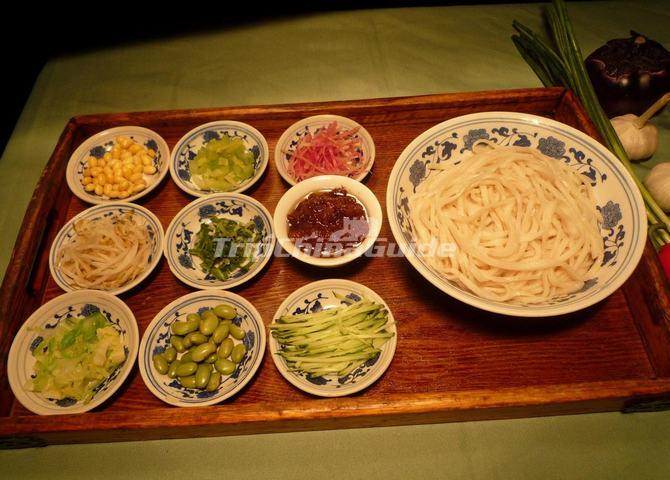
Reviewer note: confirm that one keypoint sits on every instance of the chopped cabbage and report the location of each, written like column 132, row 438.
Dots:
column 74, row 359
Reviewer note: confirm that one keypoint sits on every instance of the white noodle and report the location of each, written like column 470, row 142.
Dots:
column 524, row 225
column 105, row 253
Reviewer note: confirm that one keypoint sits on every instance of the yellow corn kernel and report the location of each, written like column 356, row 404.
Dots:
column 108, row 172
column 138, row 187
column 124, row 185
column 95, row 171
column 107, row 189
column 146, row 160
column 107, row 156
column 116, row 153
column 138, row 169
column 98, row 190
column 87, row 172
column 150, row 152
column 150, row 170
column 90, row 187
column 92, row 162
column 135, row 177
column 102, row 163
column 86, row 180
column 135, row 147
column 101, row 179
column 113, row 194
column 123, row 193
column 126, row 154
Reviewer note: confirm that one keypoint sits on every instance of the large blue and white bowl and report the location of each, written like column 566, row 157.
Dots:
column 188, row 146
column 142, row 217
column 180, row 237
column 21, row 362
column 156, row 339
column 619, row 202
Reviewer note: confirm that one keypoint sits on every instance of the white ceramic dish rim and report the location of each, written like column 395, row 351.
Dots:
column 72, row 177
column 258, row 173
column 624, row 177
column 388, row 350
column 58, row 302
column 224, row 296
column 213, row 198
column 158, row 227
column 299, row 191
column 280, row 162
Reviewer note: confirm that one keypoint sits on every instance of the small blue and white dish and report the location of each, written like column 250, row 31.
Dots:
column 21, row 362
column 623, row 225
column 99, row 144
column 156, row 339
column 318, row 296
column 141, row 216
column 188, row 146
column 291, row 137
column 181, row 234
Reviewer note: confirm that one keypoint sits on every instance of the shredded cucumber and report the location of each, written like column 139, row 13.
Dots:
column 76, row 357
column 333, row 341
column 222, row 164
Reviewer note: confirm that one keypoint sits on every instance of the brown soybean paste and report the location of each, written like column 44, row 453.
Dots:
column 328, row 223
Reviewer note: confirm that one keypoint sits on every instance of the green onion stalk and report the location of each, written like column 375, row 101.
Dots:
column 562, row 64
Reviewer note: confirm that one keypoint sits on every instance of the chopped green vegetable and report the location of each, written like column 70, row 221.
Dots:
column 76, row 358
column 225, row 247
column 333, row 341
column 222, row 164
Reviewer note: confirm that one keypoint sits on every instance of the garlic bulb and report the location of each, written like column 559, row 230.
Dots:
column 658, row 183
column 640, row 143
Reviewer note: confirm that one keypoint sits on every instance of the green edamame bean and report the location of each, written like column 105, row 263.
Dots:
column 170, row 354
column 186, row 368
column 187, row 342
column 208, row 324
column 196, row 338
column 221, row 333
column 172, row 369
column 160, row 364
column 226, row 367
column 236, row 331
column 193, row 317
column 177, row 343
column 212, row 358
column 225, row 348
column 188, row 382
column 208, row 314
column 225, row 311
column 183, row 328
column 214, row 381
column 238, row 353
column 199, row 353
column 186, row 357
column 202, row 375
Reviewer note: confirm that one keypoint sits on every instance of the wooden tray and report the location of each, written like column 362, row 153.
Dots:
column 452, row 362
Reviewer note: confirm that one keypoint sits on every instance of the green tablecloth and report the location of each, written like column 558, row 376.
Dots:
column 316, row 57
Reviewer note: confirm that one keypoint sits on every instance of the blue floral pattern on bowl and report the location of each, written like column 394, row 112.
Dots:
column 187, row 148
column 157, row 338
column 74, row 305
column 291, row 137
column 185, row 226
column 316, row 297
column 622, row 227
column 142, row 216
column 101, row 143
